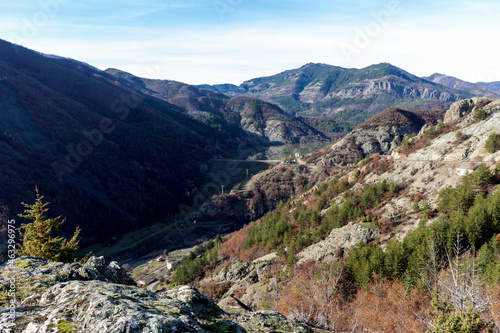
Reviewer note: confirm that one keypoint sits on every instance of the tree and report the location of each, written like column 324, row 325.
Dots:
column 493, row 143
column 37, row 239
column 465, row 297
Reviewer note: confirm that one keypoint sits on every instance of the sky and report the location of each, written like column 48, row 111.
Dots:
column 230, row 41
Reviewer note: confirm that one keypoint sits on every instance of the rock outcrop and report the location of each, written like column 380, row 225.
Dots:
column 458, row 111
column 95, row 297
column 339, row 241
column 380, row 134
column 252, row 282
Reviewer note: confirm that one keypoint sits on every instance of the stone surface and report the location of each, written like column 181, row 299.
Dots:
column 95, row 297
column 339, row 239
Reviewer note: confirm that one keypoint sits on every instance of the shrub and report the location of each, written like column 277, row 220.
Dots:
column 447, row 319
column 493, row 143
column 479, row 114
column 440, row 126
column 431, row 131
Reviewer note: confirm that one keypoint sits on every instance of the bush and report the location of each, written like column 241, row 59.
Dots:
column 479, row 114
column 493, row 143
column 431, row 131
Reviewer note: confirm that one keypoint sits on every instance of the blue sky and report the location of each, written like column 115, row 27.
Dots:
column 219, row 41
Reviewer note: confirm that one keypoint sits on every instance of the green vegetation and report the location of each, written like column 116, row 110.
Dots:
column 194, row 265
column 66, row 326
column 448, row 319
column 220, row 327
column 492, row 143
column 304, row 226
column 468, row 215
column 405, row 143
column 479, row 114
column 37, row 237
column 328, row 125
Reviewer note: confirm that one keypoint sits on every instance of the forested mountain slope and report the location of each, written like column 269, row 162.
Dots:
column 379, row 237
column 109, row 158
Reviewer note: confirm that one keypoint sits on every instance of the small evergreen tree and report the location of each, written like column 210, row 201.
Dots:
column 493, row 143
column 448, row 319
column 37, row 239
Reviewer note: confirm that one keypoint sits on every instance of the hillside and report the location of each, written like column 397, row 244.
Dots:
column 378, row 235
column 347, row 94
column 492, row 85
column 107, row 157
column 476, row 89
column 265, row 120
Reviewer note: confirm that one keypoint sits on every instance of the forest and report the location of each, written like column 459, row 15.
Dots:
column 442, row 277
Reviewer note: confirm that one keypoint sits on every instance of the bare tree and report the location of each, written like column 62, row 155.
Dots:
column 463, row 286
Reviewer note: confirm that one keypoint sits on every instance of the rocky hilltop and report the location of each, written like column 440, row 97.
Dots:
column 348, row 94
column 380, row 134
column 96, row 297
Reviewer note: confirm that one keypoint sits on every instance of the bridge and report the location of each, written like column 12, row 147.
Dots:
column 247, row 161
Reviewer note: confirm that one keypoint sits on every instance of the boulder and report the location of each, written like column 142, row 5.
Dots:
column 457, row 111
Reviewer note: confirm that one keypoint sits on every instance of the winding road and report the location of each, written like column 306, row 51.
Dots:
column 152, row 285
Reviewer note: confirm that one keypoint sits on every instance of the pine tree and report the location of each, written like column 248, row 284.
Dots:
column 37, row 239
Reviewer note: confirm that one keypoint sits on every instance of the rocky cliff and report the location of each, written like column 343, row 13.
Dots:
column 380, row 134
column 96, row 297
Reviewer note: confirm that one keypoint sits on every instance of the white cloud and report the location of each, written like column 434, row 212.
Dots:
column 459, row 43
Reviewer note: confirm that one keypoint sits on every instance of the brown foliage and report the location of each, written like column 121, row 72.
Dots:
column 232, row 247
column 387, row 306
column 386, row 225
column 317, row 295
column 494, row 314
column 320, row 295
column 213, row 289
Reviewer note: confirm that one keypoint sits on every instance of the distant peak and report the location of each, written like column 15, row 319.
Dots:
column 313, row 64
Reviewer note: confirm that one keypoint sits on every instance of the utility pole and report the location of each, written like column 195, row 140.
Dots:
column 247, row 173
column 222, row 189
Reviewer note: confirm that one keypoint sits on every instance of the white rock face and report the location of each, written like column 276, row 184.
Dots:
column 341, row 238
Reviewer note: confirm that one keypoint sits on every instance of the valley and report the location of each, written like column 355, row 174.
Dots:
column 316, row 199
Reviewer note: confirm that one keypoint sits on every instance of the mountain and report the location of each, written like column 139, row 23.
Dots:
column 492, row 85
column 263, row 119
column 109, row 158
column 347, row 94
column 386, row 235
column 467, row 87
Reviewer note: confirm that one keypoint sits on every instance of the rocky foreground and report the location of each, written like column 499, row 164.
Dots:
column 96, row 297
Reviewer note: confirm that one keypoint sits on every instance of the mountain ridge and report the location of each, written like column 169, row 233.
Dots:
column 453, row 82
column 260, row 118
column 130, row 158
column 346, row 93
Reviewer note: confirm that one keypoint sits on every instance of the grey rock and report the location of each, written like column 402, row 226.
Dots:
column 94, row 269
column 96, row 297
column 457, row 111
column 341, row 238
